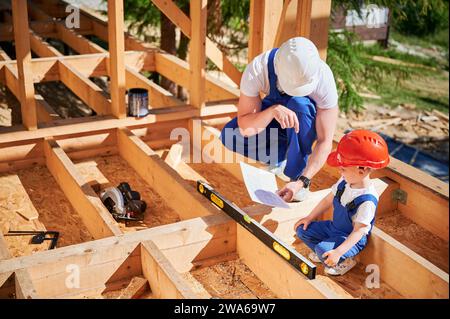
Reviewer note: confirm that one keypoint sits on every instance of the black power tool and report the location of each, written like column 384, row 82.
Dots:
column 123, row 203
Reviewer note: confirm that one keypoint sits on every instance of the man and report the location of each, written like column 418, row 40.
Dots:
column 300, row 106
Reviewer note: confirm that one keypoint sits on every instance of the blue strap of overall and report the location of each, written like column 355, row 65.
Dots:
column 352, row 207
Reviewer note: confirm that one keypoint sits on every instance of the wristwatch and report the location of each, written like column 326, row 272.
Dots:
column 306, row 181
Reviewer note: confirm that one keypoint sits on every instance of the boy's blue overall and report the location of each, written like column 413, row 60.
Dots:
column 323, row 236
column 295, row 147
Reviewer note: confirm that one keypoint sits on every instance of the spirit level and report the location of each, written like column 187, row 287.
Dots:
column 298, row 261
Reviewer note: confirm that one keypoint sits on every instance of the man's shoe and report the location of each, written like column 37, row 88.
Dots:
column 341, row 268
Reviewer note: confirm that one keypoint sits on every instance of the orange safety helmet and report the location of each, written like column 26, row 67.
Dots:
column 360, row 148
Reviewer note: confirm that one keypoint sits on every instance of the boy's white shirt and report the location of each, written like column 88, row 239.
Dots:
column 255, row 79
column 366, row 211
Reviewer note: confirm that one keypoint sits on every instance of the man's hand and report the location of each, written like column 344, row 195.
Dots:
column 289, row 190
column 286, row 117
column 332, row 257
column 304, row 221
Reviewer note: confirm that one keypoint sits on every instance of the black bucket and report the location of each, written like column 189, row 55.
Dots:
column 137, row 102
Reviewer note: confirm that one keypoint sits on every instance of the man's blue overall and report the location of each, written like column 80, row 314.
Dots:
column 295, row 147
column 323, row 236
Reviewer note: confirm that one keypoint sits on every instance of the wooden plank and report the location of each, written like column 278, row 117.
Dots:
column 99, row 260
column 197, row 57
column 303, row 26
column 404, row 270
column 320, row 20
column 89, row 92
column 285, row 282
column 41, row 47
column 135, row 288
column 256, row 29
column 158, row 96
column 165, row 281
column 45, row 112
column 177, row 193
column 76, row 41
column 23, row 57
column 88, row 205
column 295, row 21
column 179, row 18
column 177, row 71
column 24, row 286
column 116, row 58
column 272, row 16
column 66, row 127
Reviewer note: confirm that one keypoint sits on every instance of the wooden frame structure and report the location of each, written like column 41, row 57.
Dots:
column 165, row 255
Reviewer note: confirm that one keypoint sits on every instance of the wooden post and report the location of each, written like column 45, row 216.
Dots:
column 304, row 18
column 256, row 28
column 197, row 55
column 320, row 20
column 23, row 57
column 116, row 61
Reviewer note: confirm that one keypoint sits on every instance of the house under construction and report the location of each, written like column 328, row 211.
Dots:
column 52, row 170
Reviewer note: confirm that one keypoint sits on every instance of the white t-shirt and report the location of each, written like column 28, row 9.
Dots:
column 366, row 211
column 255, row 79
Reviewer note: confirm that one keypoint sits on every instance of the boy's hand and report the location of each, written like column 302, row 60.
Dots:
column 332, row 257
column 304, row 221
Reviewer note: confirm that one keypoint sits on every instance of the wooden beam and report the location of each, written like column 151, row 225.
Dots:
column 89, row 92
column 320, row 20
column 76, row 41
column 410, row 274
column 44, row 69
column 303, row 26
column 116, row 58
column 158, row 96
column 272, row 16
column 135, row 288
column 295, row 21
column 197, row 57
column 179, row 18
column 23, row 55
column 24, row 286
column 44, row 112
column 41, row 47
column 177, row 71
column 88, row 205
column 177, row 193
column 165, row 281
column 281, row 278
column 256, row 29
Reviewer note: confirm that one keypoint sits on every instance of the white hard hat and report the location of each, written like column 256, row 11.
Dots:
column 297, row 64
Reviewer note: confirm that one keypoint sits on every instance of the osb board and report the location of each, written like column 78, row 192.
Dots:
column 222, row 181
column 232, row 280
column 416, row 238
column 111, row 171
column 35, row 188
column 354, row 282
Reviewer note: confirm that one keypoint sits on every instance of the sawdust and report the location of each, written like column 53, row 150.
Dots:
column 416, row 238
column 232, row 280
column 55, row 211
column 354, row 281
column 111, row 171
column 227, row 185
